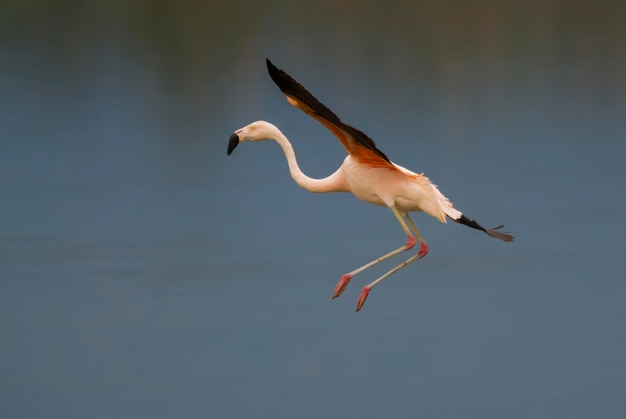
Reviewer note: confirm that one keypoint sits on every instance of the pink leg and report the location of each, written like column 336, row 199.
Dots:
column 422, row 252
column 345, row 279
column 366, row 289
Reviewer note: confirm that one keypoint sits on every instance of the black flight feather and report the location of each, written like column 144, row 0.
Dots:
column 292, row 88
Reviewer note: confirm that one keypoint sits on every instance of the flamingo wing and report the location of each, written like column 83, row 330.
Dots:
column 356, row 142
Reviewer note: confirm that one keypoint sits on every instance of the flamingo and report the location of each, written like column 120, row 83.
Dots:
column 367, row 173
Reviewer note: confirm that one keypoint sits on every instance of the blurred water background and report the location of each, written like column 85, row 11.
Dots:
column 143, row 274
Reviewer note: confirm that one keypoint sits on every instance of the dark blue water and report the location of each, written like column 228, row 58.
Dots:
column 145, row 274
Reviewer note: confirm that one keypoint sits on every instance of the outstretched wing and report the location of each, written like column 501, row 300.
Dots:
column 357, row 143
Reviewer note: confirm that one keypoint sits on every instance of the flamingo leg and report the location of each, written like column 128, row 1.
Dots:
column 422, row 252
column 345, row 279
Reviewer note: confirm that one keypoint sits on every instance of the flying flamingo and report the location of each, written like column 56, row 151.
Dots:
column 366, row 172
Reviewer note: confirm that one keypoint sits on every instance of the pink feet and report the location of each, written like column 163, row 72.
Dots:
column 341, row 285
column 345, row 279
column 362, row 298
column 423, row 251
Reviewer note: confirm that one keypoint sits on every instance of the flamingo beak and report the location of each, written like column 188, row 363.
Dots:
column 232, row 143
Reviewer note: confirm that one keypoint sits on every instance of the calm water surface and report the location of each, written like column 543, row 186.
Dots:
column 144, row 274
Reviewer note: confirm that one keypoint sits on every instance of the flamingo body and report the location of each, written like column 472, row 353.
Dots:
column 366, row 172
column 396, row 187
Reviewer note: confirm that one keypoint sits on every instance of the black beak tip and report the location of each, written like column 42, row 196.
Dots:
column 233, row 141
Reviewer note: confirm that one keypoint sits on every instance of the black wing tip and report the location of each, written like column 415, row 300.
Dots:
column 491, row 232
column 291, row 88
column 285, row 83
column 271, row 68
column 499, row 235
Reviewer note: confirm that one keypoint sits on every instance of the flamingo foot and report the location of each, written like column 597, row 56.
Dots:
column 341, row 285
column 362, row 298
column 423, row 251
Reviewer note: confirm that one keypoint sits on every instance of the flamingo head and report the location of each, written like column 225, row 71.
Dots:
column 256, row 131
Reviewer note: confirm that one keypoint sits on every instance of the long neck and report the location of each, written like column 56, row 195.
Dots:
column 333, row 183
